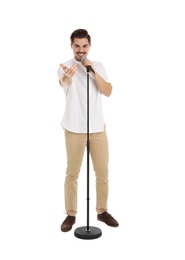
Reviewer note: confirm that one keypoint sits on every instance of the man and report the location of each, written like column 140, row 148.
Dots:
column 73, row 78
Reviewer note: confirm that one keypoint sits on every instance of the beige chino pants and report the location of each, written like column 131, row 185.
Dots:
column 75, row 148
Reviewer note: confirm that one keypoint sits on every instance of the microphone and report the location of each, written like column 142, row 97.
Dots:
column 88, row 66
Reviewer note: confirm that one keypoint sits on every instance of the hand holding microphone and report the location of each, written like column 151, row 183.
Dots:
column 88, row 64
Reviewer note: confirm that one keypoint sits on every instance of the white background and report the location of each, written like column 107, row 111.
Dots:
column 141, row 44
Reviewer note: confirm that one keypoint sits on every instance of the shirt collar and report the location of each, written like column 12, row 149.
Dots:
column 78, row 63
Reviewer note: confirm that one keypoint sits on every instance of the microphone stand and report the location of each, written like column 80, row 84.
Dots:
column 88, row 232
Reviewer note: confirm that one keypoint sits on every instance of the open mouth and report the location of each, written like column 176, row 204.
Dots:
column 80, row 54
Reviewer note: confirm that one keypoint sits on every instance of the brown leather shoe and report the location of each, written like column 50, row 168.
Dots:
column 108, row 219
column 68, row 223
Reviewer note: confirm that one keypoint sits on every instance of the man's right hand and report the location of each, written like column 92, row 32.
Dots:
column 66, row 78
column 69, row 72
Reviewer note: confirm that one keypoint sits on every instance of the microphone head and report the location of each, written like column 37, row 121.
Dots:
column 82, row 59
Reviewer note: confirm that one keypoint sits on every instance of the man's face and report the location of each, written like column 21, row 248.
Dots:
column 80, row 48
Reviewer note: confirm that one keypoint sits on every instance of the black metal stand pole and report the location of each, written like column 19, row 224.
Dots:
column 88, row 232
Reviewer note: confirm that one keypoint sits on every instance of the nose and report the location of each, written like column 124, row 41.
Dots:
column 81, row 49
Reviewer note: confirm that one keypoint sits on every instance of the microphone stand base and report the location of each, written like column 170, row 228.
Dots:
column 83, row 233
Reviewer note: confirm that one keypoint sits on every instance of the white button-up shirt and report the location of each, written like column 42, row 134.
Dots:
column 75, row 114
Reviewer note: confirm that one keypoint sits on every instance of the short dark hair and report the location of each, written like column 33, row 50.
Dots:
column 80, row 33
